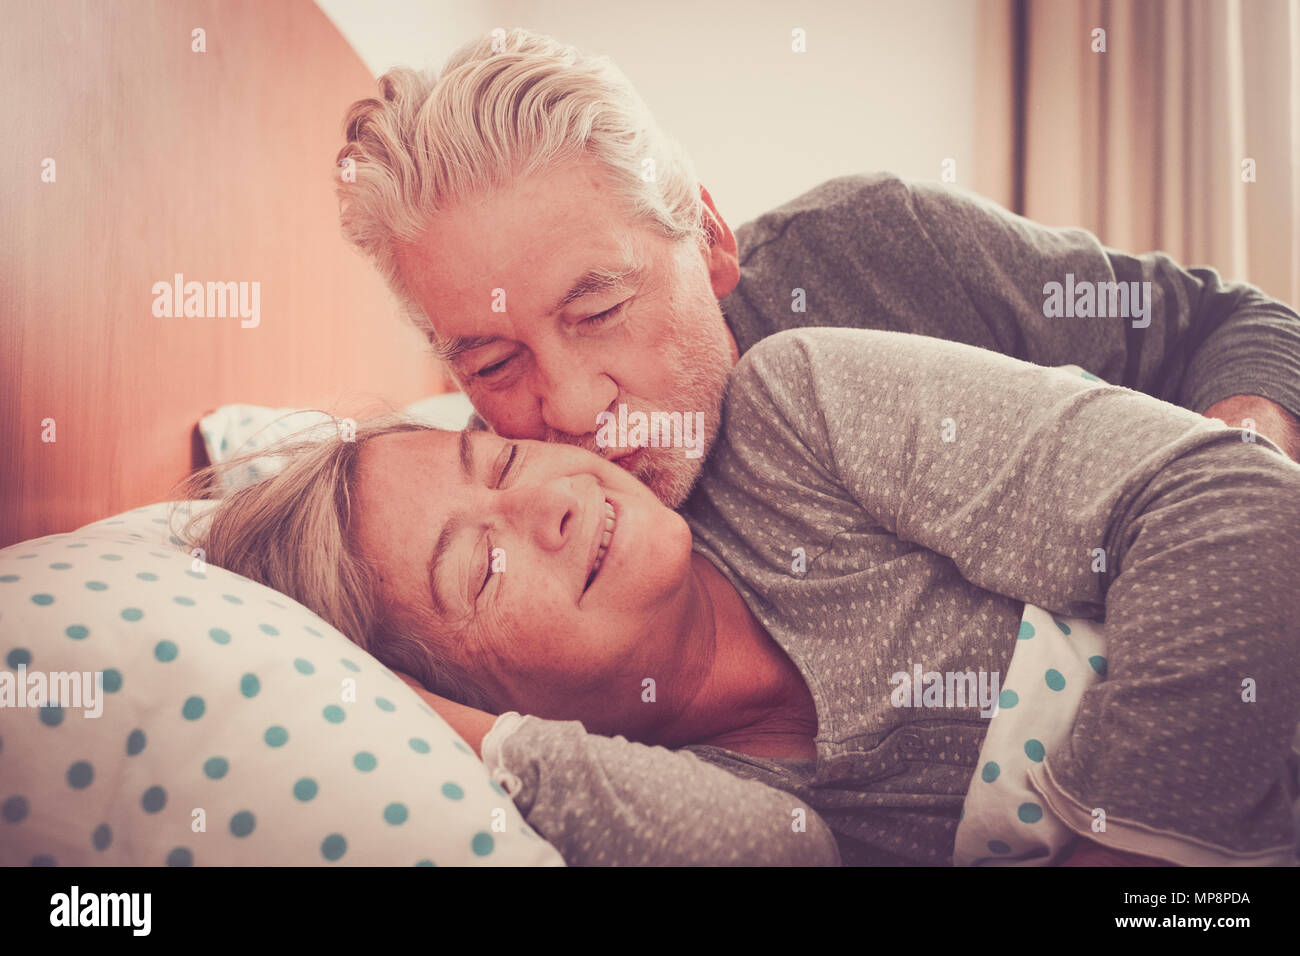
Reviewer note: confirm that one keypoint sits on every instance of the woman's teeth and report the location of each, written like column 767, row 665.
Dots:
column 604, row 541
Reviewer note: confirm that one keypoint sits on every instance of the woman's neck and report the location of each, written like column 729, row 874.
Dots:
column 752, row 698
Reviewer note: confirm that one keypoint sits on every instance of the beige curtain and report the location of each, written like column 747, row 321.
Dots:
column 1146, row 143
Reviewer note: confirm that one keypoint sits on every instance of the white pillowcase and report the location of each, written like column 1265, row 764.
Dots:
column 228, row 735
column 239, row 429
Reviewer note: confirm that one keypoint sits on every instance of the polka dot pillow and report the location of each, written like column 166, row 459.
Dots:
column 218, row 722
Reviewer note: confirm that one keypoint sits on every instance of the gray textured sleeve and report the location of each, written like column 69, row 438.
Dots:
column 1203, row 340
column 608, row 801
column 1017, row 473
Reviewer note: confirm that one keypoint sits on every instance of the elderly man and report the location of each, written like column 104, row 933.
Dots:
column 557, row 250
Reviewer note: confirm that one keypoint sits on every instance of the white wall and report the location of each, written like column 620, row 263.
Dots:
column 882, row 85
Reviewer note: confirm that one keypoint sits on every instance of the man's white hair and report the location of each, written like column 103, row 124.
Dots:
column 504, row 107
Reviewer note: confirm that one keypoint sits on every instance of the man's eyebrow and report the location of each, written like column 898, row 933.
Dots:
column 453, row 348
column 598, row 281
column 453, row 525
column 593, row 282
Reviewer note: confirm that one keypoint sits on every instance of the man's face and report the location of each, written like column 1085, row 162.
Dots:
column 552, row 306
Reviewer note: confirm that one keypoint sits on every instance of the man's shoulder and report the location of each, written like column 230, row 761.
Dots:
column 835, row 196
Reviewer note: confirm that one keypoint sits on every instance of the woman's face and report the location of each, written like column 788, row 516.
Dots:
column 551, row 575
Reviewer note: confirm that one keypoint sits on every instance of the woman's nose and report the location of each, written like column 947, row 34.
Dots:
column 551, row 513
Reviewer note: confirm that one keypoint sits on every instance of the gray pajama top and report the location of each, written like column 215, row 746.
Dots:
column 917, row 550
column 923, row 550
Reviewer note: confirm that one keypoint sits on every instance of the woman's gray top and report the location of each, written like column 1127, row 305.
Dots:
column 882, row 500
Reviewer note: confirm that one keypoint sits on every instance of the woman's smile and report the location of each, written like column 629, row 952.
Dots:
column 608, row 520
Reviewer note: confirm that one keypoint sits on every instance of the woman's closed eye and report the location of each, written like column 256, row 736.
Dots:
column 511, row 454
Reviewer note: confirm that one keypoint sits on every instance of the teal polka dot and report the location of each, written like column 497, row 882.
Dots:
column 132, row 614
column 481, row 844
column 312, row 631
column 101, row 586
column 165, row 651
column 201, row 575
column 305, row 789
column 349, row 665
column 1065, row 628
column 498, row 788
column 51, row 716
column 232, row 599
column 242, row 823
column 426, row 863
column 78, row 544
column 1035, row 750
column 998, row 847
column 268, row 629
column 14, row 810
column 154, row 799
column 395, row 813
column 102, row 837
column 1030, row 812
column 77, row 632
column 333, row 847
column 111, row 557
column 135, row 743
column 334, row 714
column 112, row 680
column 184, row 601
column 419, row 746
column 180, row 857
column 1098, row 664
column 216, row 767
column 60, row 566
column 1026, row 631
column 1055, row 679
column 990, row 772
column 1008, row 699
column 194, row 708
column 276, row 736
column 1090, row 377
column 452, row 792
column 249, row 685
column 364, row 761
column 383, row 703
column 220, row 636
column 303, row 666
column 18, row 657
column 80, row 774
column 42, row 599
column 7, row 578
column 147, row 576
column 462, row 748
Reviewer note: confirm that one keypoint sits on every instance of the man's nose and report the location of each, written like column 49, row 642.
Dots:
column 572, row 397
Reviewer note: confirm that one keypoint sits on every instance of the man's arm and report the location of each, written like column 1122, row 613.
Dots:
column 881, row 253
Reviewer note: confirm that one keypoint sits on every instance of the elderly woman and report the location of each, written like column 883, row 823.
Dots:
column 714, row 686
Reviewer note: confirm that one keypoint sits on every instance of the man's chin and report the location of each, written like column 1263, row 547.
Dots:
column 671, row 479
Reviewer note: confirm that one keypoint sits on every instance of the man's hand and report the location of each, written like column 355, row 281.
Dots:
column 470, row 722
column 1270, row 420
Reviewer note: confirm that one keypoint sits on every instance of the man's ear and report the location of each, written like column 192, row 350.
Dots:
column 722, row 255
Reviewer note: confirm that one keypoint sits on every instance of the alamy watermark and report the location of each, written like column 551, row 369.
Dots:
column 67, row 689
column 1086, row 299
column 655, row 430
column 946, row 689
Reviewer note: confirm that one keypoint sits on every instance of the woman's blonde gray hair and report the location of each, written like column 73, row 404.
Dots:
column 291, row 531
column 504, row 107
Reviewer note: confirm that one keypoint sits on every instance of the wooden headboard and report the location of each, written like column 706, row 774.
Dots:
column 213, row 165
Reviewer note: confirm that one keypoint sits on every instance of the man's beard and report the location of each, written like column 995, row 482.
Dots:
column 702, row 358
